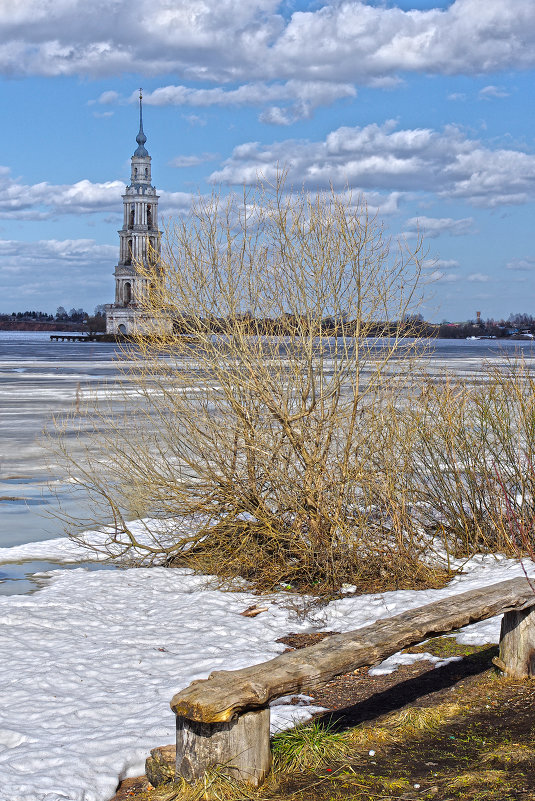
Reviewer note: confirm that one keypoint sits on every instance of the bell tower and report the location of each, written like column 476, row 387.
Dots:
column 139, row 245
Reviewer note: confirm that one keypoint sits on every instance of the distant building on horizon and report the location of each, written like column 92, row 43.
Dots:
column 139, row 244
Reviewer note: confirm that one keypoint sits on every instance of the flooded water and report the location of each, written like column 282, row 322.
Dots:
column 40, row 379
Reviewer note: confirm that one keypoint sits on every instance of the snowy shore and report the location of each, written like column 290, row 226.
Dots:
column 89, row 663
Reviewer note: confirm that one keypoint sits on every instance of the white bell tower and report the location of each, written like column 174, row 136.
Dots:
column 140, row 244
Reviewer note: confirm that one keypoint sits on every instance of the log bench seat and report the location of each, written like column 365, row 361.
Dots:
column 224, row 719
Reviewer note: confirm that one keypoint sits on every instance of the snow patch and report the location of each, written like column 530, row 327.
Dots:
column 89, row 663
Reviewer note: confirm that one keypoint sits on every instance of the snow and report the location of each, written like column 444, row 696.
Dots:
column 393, row 662
column 90, row 662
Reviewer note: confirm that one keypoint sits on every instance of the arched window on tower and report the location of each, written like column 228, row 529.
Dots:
column 135, row 172
column 149, row 216
column 146, row 172
column 127, row 293
column 132, row 216
column 128, row 259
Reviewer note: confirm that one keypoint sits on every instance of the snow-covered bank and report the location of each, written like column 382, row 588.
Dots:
column 89, row 664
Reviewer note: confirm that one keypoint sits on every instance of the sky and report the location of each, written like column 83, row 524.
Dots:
column 423, row 106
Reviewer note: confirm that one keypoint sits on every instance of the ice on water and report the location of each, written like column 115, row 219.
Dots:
column 89, row 663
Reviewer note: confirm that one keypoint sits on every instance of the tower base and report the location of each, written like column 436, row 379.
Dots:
column 129, row 321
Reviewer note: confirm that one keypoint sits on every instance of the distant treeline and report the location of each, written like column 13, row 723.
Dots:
column 289, row 324
column 516, row 325
column 74, row 320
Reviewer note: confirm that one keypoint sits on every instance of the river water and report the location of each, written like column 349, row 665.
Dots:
column 40, row 379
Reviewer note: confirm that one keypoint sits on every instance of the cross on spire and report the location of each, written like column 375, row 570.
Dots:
column 141, row 138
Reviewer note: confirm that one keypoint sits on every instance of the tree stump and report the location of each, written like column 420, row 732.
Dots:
column 517, row 643
column 241, row 746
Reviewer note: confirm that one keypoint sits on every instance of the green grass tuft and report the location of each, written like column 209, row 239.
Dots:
column 308, row 746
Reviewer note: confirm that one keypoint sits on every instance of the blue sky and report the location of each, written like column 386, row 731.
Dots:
column 425, row 107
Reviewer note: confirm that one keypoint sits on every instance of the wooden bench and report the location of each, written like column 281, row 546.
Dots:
column 224, row 719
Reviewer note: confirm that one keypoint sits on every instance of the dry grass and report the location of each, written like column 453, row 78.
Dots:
column 509, row 754
column 475, row 779
column 405, row 724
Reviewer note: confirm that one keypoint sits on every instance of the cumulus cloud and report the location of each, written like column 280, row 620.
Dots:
column 490, row 92
column 49, row 271
column 195, row 120
column 43, row 273
column 228, row 40
column 275, row 115
column 440, row 264
column 380, row 157
column 479, row 278
column 108, row 97
column 174, row 202
column 432, row 227
column 42, row 201
column 192, row 161
column 437, row 276
column 523, row 265
column 20, row 257
column 300, row 98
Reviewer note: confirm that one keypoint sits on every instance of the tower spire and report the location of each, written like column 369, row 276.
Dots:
column 141, row 138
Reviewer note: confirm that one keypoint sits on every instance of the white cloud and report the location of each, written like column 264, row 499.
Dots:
column 457, row 96
column 195, row 120
column 275, row 115
column 20, row 257
column 437, row 276
column 108, row 97
column 228, row 40
column 42, row 201
column 44, row 273
column 523, row 265
column 440, row 264
column 192, row 161
column 479, row 278
column 380, row 157
column 431, row 227
column 490, row 92
column 300, row 97
column 174, row 202
column 310, row 93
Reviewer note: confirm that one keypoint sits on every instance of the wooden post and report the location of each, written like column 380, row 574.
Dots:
column 241, row 746
column 517, row 643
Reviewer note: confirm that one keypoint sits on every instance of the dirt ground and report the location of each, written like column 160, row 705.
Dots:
column 486, row 752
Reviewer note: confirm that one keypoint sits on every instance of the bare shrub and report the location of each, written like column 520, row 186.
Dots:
column 268, row 433
column 473, row 457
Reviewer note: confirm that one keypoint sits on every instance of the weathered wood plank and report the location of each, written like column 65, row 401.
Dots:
column 517, row 643
column 241, row 746
column 224, row 694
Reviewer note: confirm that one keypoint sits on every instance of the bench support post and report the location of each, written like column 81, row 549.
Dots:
column 240, row 746
column 517, row 643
